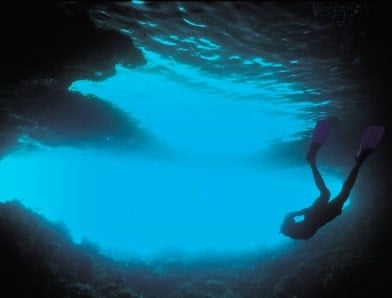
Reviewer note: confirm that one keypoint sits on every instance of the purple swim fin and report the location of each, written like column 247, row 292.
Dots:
column 320, row 135
column 321, row 131
column 371, row 138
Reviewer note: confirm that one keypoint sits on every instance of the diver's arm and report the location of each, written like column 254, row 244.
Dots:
column 297, row 213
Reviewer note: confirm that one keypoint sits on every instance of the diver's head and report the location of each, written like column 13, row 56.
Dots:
column 296, row 230
column 288, row 226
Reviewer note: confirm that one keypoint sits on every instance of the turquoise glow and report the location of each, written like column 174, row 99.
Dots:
column 197, row 113
column 137, row 2
column 207, row 197
column 194, row 24
column 145, row 206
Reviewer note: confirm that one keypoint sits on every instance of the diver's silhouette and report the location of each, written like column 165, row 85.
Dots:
column 324, row 210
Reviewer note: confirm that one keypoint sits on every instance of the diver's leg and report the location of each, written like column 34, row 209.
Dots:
column 319, row 181
column 361, row 157
column 342, row 197
column 312, row 152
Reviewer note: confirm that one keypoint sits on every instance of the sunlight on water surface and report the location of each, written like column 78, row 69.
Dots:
column 135, row 204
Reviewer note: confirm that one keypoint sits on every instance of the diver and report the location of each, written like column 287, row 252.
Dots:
column 323, row 210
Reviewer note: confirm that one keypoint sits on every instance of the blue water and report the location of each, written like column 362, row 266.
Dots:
column 212, row 102
column 133, row 205
column 202, row 194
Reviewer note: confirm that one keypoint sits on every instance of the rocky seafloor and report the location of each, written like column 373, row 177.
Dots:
column 39, row 259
